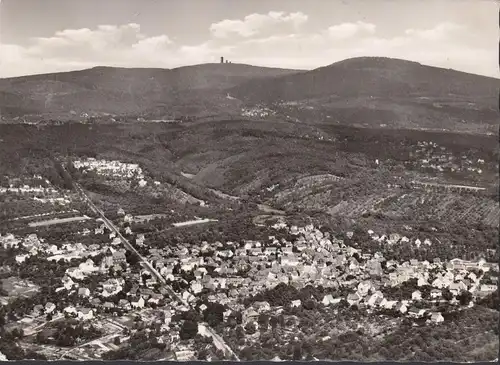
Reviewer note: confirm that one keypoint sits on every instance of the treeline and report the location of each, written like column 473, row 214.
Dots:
column 59, row 176
column 69, row 333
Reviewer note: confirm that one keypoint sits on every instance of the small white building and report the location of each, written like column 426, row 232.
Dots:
column 437, row 317
column 416, row 295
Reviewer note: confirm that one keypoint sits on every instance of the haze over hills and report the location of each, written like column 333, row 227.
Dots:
column 364, row 91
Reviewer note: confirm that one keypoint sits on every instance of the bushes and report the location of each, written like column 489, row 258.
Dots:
column 188, row 330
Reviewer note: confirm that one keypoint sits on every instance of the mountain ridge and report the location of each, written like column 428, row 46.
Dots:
column 353, row 91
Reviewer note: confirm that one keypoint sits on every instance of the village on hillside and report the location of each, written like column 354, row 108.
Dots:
column 81, row 286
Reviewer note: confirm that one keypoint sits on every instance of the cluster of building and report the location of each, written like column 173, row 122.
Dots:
column 395, row 238
column 432, row 156
column 113, row 169
column 230, row 272
column 257, row 111
column 234, row 271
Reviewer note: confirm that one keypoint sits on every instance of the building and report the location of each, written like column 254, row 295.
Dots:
column 437, row 317
column 416, row 295
column 435, row 294
column 85, row 314
column 119, row 257
column 84, row 292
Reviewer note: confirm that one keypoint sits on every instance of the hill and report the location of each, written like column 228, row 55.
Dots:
column 376, row 90
column 370, row 77
column 370, row 92
column 125, row 91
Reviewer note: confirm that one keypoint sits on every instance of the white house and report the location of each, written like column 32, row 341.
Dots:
column 435, row 294
column 70, row 310
column 401, row 307
column 196, row 287
column 84, row 292
column 296, row 303
column 85, row 314
column 416, row 295
column 437, row 317
column 138, row 304
column 49, row 307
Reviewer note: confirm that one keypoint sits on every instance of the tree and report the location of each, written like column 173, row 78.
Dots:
column 188, row 330
column 240, row 333
column 464, row 297
column 447, row 294
column 263, row 321
column 214, row 314
column 250, row 328
column 297, row 352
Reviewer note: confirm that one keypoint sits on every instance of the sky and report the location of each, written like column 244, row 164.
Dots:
column 40, row 36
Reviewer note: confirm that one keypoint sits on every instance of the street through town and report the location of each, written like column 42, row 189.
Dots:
column 217, row 339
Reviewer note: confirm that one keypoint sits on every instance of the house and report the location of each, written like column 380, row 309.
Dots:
column 439, row 283
column 154, row 300
column 270, row 251
column 139, row 241
column 296, row 303
column 488, row 288
column 83, row 292
column 108, row 305
column 415, row 312
column 119, row 257
column 139, row 303
column 256, row 251
column 455, row 288
column 394, row 238
column 436, row 317
column 196, row 287
column 435, row 294
column 353, row 298
column 472, row 276
column 49, row 307
column 188, row 297
column 364, row 287
column 38, row 310
column 375, row 299
column 124, row 304
column 85, row 314
column 262, row 306
column 329, row 299
column 416, row 295
column 70, row 310
column 290, row 261
column 249, row 314
column 401, row 307
column 186, row 355
column 422, row 281
column 388, row 304
column 96, row 302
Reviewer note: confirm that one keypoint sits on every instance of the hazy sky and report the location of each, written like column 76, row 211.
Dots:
column 38, row 36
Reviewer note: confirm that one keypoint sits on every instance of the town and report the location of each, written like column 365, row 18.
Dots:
column 87, row 287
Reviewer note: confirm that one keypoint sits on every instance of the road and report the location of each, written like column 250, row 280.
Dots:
column 218, row 340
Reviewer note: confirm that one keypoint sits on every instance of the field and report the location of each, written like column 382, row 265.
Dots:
column 452, row 208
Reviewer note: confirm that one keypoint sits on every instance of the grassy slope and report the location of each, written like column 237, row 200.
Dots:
column 125, row 91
